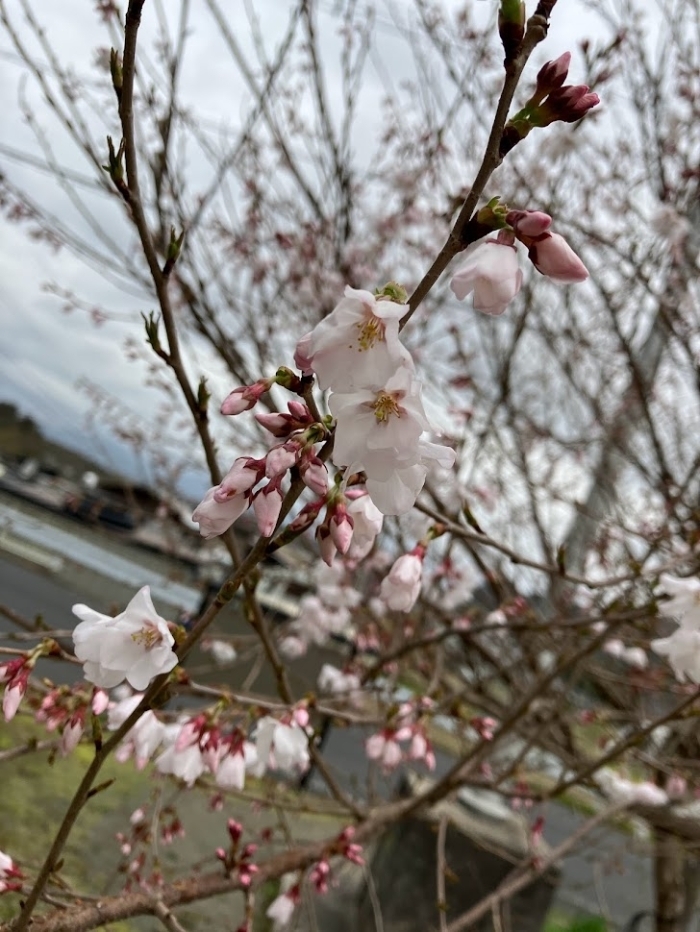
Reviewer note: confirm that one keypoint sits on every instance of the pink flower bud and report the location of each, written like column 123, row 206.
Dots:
column 235, row 830
column 72, row 734
column 552, row 256
column 552, row 75
column 277, row 424
column 315, row 474
column 100, row 701
column 341, row 525
column 267, row 505
column 281, row 458
column 13, row 697
column 243, row 475
column 529, row 222
column 244, row 398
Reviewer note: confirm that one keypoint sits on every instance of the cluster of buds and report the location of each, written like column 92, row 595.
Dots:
column 484, row 726
column 407, row 726
column 552, row 101
column 15, row 675
column 10, row 875
column 225, row 503
column 238, row 858
column 67, row 707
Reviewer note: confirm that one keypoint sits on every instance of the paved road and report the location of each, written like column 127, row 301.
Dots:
column 606, row 875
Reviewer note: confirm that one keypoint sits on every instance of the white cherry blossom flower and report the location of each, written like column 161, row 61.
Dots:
column 368, row 521
column 378, row 429
column 356, row 345
column 683, row 651
column 136, row 645
column 684, row 603
column 186, row 763
column 280, row 746
column 492, row 272
column 332, row 680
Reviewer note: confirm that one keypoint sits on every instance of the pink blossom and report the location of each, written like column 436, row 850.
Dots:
column 384, row 748
column 314, row 474
column 676, row 787
column 492, row 272
column 378, row 429
column 402, row 586
column 552, row 256
column 214, row 517
column 244, row 398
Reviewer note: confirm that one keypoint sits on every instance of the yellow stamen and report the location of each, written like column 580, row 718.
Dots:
column 371, row 331
column 148, row 636
column 385, row 406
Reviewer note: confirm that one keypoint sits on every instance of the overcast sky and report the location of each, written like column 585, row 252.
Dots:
column 44, row 352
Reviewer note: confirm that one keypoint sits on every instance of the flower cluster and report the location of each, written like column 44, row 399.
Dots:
column 407, row 726
column 375, row 398
column 492, row 270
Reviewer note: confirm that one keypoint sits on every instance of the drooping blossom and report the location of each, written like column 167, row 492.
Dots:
column 367, row 524
column 136, row 645
column 216, row 517
column 356, row 345
column 185, row 763
column 401, row 587
column 239, row 759
column 282, row 746
column 281, row 909
column 143, row 740
column 492, row 272
column 384, row 748
column 394, row 489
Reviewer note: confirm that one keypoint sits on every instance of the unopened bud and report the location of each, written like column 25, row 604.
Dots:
column 511, row 26
column 392, row 291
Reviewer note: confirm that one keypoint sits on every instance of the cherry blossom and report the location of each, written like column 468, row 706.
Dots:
column 15, row 675
column 367, row 524
column 379, row 429
column 282, row 746
column 384, row 748
column 683, row 651
column 401, row 587
column 135, row 645
column 281, row 909
column 215, row 517
column 684, row 603
column 492, row 272
column 10, row 874
column 333, row 680
column 186, row 763
column 357, row 345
